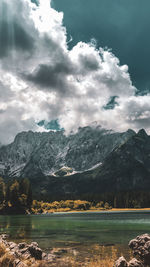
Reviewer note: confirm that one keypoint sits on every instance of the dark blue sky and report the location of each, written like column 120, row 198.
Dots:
column 123, row 25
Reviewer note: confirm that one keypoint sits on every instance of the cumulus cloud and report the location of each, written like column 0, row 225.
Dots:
column 41, row 79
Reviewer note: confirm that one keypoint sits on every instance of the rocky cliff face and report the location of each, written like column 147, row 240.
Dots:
column 126, row 168
column 42, row 154
column 91, row 162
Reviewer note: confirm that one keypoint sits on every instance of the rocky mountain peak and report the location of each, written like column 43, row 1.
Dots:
column 142, row 133
column 92, row 160
column 47, row 152
column 131, row 132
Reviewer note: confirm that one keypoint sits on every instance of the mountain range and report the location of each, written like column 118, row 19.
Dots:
column 92, row 161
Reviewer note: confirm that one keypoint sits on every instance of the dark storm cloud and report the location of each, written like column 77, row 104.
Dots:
column 89, row 63
column 17, row 31
column 20, row 39
column 122, row 25
column 41, row 79
column 52, row 77
column 23, row 39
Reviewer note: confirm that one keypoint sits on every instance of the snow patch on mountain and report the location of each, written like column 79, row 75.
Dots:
column 36, row 154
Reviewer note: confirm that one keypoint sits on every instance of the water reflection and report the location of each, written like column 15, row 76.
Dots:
column 18, row 227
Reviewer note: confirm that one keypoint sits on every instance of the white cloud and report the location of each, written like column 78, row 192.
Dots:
column 40, row 78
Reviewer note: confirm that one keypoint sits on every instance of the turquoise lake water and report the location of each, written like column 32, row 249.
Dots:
column 89, row 233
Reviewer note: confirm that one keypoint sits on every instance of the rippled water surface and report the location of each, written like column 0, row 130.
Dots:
column 88, row 233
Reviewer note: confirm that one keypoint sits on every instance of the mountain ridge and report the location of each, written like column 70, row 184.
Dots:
column 47, row 152
column 124, row 170
column 86, row 165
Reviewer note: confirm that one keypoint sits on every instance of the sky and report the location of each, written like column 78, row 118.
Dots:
column 74, row 62
column 121, row 25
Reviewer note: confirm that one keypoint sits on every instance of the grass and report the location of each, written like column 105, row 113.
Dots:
column 2, row 250
column 70, row 262
column 95, row 256
column 7, row 260
column 100, row 259
column 102, row 263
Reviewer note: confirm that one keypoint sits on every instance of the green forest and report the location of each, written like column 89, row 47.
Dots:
column 16, row 198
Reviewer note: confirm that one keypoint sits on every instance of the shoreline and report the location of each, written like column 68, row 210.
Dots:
column 93, row 210
column 31, row 255
column 78, row 206
column 121, row 210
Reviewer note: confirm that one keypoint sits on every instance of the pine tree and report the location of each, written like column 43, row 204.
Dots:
column 14, row 194
column 2, row 190
column 25, row 189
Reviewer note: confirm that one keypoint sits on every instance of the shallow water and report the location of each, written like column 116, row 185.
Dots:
column 88, row 233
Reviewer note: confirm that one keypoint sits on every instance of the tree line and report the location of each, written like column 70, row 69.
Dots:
column 123, row 199
column 15, row 195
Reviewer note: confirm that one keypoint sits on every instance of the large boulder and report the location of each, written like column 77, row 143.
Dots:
column 35, row 251
column 141, row 248
column 135, row 263
column 22, row 245
column 121, row 262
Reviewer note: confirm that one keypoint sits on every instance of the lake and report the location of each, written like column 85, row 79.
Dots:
column 88, row 234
